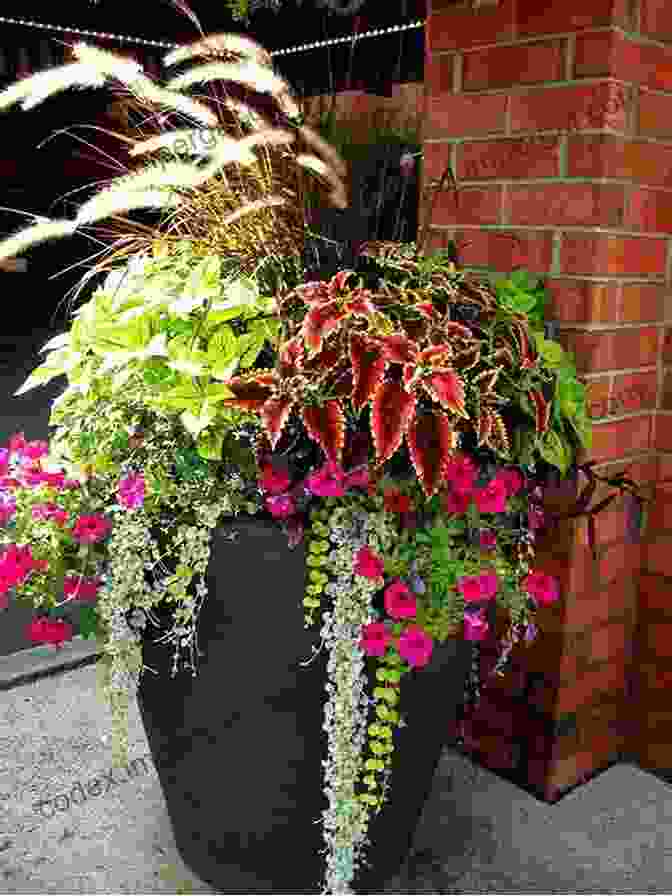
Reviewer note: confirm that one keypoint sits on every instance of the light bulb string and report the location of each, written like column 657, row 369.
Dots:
column 141, row 41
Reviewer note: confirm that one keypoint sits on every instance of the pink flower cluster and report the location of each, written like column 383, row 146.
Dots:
column 329, row 481
column 414, row 645
column 16, row 564
column 49, row 631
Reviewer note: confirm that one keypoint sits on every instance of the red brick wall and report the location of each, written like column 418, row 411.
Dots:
column 558, row 126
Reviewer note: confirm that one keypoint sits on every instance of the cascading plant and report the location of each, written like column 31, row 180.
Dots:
column 393, row 416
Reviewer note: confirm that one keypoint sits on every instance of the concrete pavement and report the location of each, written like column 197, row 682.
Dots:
column 62, row 833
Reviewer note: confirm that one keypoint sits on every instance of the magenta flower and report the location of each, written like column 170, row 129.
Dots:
column 7, row 508
column 17, row 443
column 327, row 482
column 36, row 449
column 50, row 511
column 274, row 480
column 543, row 588
column 456, row 502
column 492, row 498
column 49, row 631
column 475, row 627
column 400, row 602
column 535, row 518
column 131, row 491
column 33, row 474
column 77, row 587
column 461, row 473
column 375, row 639
column 16, row 564
column 415, row 646
column 91, row 528
column 358, row 477
column 512, row 479
column 4, row 461
column 488, row 539
column 477, row 588
column 367, row 564
column 280, row 505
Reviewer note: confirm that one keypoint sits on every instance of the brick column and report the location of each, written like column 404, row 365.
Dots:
column 557, row 121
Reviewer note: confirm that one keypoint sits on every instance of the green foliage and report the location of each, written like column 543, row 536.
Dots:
column 175, row 327
column 522, row 294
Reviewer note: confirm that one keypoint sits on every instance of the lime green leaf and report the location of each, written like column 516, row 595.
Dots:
column 210, row 445
column 556, row 451
column 194, row 424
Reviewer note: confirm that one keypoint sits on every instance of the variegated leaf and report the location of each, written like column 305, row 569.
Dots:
column 319, row 323
column 392, row 411
column 274, row 415
column 447, row 388
column 368, row 367
column 431, row 440
column 325, row 424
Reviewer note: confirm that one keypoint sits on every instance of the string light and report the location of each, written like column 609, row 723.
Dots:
column 141, row 41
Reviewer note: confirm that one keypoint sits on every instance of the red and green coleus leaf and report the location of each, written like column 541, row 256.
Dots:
column 398, row 349
column 368, row 366
column 431, row 441
column 274, row 415
column 325, row 424
column 319, row 323
column 392, row 411
column 447, row 388
column 528, row 357
column 542, row 410
column 292, row 356
column 250, row 393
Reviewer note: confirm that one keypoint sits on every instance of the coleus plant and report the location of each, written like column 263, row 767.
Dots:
column 399, row 353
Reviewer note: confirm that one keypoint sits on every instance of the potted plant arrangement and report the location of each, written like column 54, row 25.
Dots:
column 364, row 449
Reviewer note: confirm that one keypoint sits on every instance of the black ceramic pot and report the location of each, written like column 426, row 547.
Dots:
column 239, row 748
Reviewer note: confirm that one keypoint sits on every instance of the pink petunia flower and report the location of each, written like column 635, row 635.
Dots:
column 367, row 564
column 512, row 479
column 327, row 482
column 400, row 602
column 487, row 539
column 415, row 646
column 7, row 508
column 91, row 528
column 274, row 480
column 79, row 588
column 395, row 502
column 131, row 491
column 492, row 498
column 49, row 631
column 358, row 477
column 17, row 443
column 375, row 639
column 456, row 502
column 280, row 505
column 475, row 627
column 36, row 449
column 460, row 471
column 543, row 588
column 477, row 588
column 50, row 511
column 4, row 461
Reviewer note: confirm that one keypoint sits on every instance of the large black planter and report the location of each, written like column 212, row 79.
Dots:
column 239, row 748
